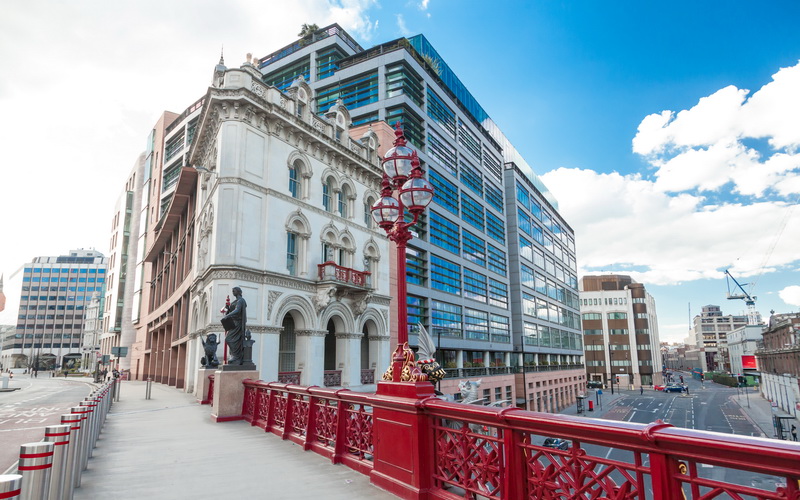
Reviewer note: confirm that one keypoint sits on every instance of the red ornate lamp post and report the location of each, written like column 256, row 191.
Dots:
column 402, row 172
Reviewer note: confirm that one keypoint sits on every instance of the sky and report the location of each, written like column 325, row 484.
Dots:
column 668, row 131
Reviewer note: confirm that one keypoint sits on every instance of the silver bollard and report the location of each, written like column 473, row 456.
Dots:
column 81, row 455
column 91, row 419
column 59, row 436
column 35, row 464
column 74, row 423
column 10, row 486
column 148, row 388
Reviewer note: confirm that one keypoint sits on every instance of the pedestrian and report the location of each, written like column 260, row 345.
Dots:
column 794, row 432
column 641, row 390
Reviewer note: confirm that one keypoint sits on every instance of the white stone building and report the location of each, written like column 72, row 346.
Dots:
column 283, row 213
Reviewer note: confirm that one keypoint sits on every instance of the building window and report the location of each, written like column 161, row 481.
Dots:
column 284, row 77
column 415, row 266
column 441, row 113
column 402, row 80
column 474, row 285
column 495, row 228
column 476, row 324
column 417, row 310
column 445, row 275
column 445, row 234
column 498, row 294
column 474, row 248
column 473, row 359
column 494, row 196
column 412, row 125
column 472, row 211
column 531, row 334
column 327, row 195
column 446, row 319
column 497, row 260
column 471, row 178
column 291, row 253
column 499, row 328
column 590, row 316
column 445, row 192
column 617, row 315
column 294, row 185
column 327, row 62
column 593, row 332
column 469, row 140
column 442, row 151
column 354, row 92
column 618, row 331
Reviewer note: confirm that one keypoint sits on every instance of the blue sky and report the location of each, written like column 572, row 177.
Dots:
column 668, row 131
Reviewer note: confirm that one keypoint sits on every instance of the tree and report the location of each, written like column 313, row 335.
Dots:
column 307, row 30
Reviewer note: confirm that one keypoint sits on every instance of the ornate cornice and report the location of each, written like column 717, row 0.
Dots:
column 378, row 338
column 349, row 336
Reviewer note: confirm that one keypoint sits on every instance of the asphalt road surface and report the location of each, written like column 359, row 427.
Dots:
column 707, row 407
column 26, row 412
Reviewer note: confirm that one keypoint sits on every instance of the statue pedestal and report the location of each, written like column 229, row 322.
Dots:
column 229, row 392
column 202, row 384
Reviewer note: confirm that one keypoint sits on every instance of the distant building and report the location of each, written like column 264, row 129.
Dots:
column 711, row 331
column 620, row 331
column 92, row 329
column 117, row 326
column 778, row 358
column 55, row 293
column 742, row 346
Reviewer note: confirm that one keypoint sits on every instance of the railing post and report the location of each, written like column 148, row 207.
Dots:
column 516, row 468
column 340, row 446
column 311, row 426
column 35, row 463
column 59, row 436
column 662, row 473
column 10, row 486
column 74, row 423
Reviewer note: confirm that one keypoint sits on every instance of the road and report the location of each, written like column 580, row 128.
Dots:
column 708, row 407
column 26, row 412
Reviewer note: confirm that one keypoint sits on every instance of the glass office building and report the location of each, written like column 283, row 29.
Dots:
column 491, row 271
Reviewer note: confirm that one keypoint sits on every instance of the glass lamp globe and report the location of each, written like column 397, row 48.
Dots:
column 416, row 194
column 397, row 162
column 386, row 211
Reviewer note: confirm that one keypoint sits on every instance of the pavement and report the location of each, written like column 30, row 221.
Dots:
column 168, row 447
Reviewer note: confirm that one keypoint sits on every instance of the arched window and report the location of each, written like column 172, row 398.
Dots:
column 327, row 195
column 297, row 235
column 368, row 202
column 291, row 253
column 294, row 185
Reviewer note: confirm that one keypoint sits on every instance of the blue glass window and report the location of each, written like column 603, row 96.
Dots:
column 354, row 92
column 495, row 227
column 474, row 248
column 527, row 276
column 526, row 249
column 293, row 184
column 499, row 329
column 288, row 74
column 476, row 324
column 474, row 285
column 497, row 260
column 417, row 310
column 441, row 113
column 492, row 164
column 444, row 233
column 445, row 192
column 471, row 178
column 327, row 62
column 469, row 140
column 523, row 196
column 537, row 234
column 442, row 151
column 411, row 123
column 524, row 223
column 528, row 304
column 498, row 293
column 494, row 196
column 415, row 266
column 472, row 211
column 446, row 319
column 402, row 80
column 445, row 275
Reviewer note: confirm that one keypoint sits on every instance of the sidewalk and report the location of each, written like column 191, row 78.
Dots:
column 760, row 412
column 168, row 447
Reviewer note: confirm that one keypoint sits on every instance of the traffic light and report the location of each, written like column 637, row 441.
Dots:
column 742, row 380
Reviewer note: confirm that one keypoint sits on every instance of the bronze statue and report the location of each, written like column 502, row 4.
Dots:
column 210, row 348
column 235, row 324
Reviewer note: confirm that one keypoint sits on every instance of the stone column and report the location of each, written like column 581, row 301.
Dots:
column 379, row 355
column 348, row 357
column 310, row 356
column 268, row 342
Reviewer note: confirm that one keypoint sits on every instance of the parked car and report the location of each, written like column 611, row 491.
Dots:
column 557, row 443
column 595, row 384
column 674, row 388
column 659, row 387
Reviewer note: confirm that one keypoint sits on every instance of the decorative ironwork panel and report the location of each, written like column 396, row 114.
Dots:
column 250, row 396
column 326, row 415
column 367, row 377
column 332, row 378
column 469, row 457
column 300, row 415
column 262, row 405
column 280, row 409
column 359, row 432
column 289, row 378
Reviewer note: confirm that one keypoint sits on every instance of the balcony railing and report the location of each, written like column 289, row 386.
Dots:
column 331, row 271
column 469, row 451
column 367, row 377
column 332, row 378
column 289, row 377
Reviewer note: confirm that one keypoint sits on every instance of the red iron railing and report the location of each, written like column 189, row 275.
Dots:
column 335, row 272
column 497, row 453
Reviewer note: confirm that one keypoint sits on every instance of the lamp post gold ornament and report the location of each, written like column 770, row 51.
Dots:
column 401, row 172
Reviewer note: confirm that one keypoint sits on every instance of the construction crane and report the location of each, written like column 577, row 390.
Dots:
column 753, row 317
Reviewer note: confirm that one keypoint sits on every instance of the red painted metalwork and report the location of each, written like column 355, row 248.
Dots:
column 333, row 271
column 418, row 446
column 210, row 396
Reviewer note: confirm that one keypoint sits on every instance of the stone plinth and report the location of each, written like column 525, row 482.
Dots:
column 229, row 394
column 202, row 384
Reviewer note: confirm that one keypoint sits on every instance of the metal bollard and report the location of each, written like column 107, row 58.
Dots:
column 10, row 486
column 148, row 388
column 74, row 423
column 91, row 419
column 59, row 436
column 81, row 454
column 35, row 464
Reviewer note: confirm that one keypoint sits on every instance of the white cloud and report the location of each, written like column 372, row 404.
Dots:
column 791, row 295
column 423, row 5
column 401, row 25
column 709, row 145
column 84, row 82
column 626, row 223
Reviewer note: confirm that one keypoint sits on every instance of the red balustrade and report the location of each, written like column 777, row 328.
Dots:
column 333, row 271
column 467, row 451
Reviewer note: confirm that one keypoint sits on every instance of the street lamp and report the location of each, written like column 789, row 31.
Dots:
column 611, row 367
column 402, row 172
